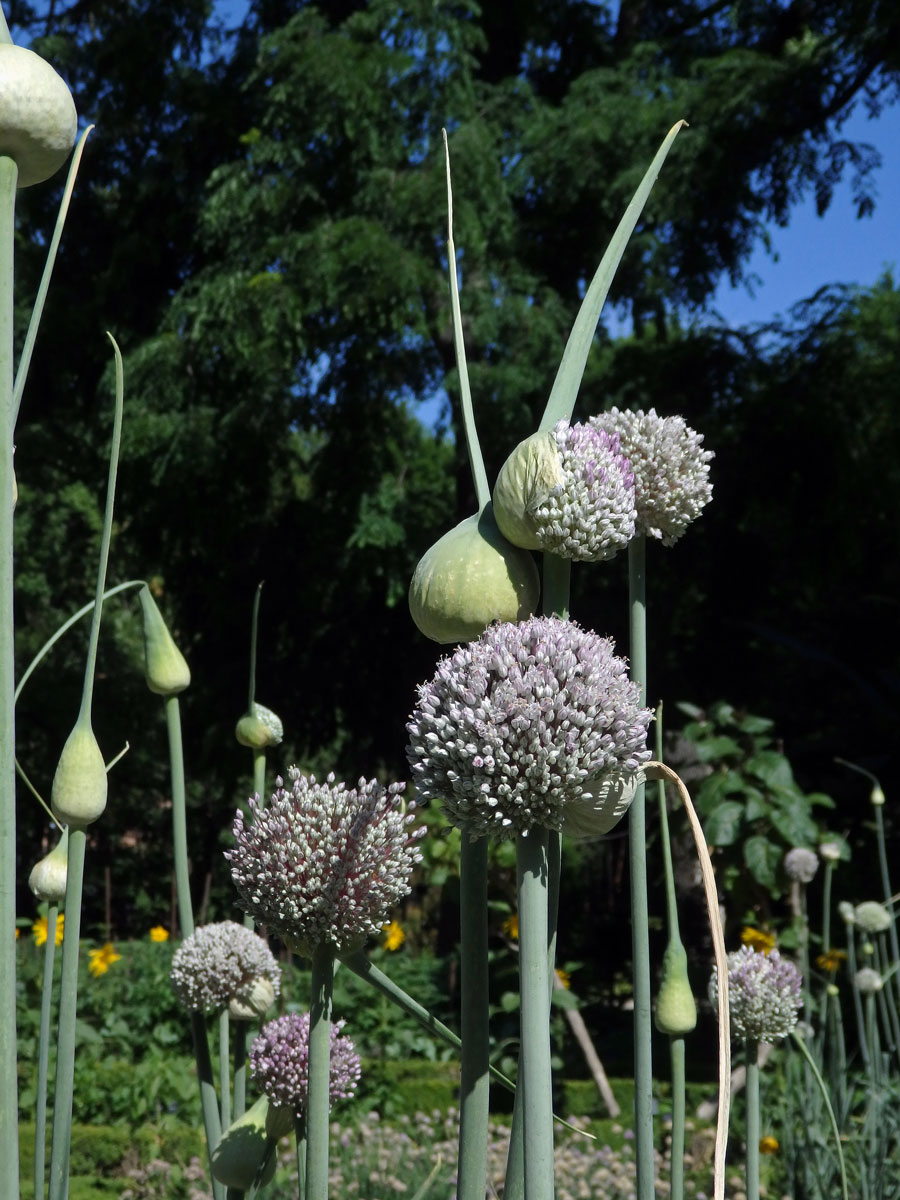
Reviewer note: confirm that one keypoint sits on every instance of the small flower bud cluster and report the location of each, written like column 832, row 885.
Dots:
column 671, row 470
column 225, row 964
column 764, row 994
column 523, row 722
column 800, row 864
column 868, row 981
column 590, row 515
column 323, row 863
column 279, row 1062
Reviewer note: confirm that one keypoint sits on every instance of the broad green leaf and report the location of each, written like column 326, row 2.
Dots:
column 714, row 748
column 762, row 859
column 771, row 767
column 723, row 824
column 714, row 789
column 749, row 724
column 794, row 823
column 756, row 805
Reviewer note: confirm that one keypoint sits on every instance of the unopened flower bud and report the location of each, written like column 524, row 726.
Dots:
column 78, row 795
column 166, row 671
column 260, row 728
column 48, row 877
column 602, row 802
column 37, row 115
column 676, row 1009
column 242, row 1148
column 253, row 1000
column 831, row 852
column 847, row 912
column 469, row 578
column 877, row 795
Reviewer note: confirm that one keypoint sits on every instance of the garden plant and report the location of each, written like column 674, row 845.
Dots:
column 531, row 731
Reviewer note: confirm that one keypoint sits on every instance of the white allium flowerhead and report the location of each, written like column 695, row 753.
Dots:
column 279, row 1062
column 764, row 994
column 801, row 864
column 847, row 912
column 224, row 964
column 671, row 469
column 323, row 863
column 569, row 491
column 872, row 917
column 519, row 725
column 868, row 981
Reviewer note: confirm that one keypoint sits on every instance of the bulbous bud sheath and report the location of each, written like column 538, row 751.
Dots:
column 241, row 1149
column 676, row 1008
column 48, row 877
column 37, row 115
column 469, row 578
column 165, row 668
column 259, row 729
column 78, row 795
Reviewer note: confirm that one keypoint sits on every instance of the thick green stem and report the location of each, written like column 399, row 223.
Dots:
column 317, row 1105
column 224, row 1068
column 637, row 839
column 40, row 1117
column 68, row 1004
column 9, row 1136
column 557, row 585
column 752, row 1092
column 179, row 817
column 474, row 1013
column 535, row 1073
column 300, row 1136
column 676, row 1173
column 212, row 1126
column 241, row 1035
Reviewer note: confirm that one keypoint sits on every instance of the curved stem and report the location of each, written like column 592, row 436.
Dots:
column 254, row 625
column 476, row 462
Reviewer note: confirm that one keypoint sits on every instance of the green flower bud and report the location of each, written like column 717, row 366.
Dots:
column 166, row 671
column 469, row 578
column 525, row 481
column 252, row 1001
column 259, row 729
column 78, row 795
column 37, row 115
column 242, row 1148
column 676, row 1009
column 877, row 795
column 48, row 877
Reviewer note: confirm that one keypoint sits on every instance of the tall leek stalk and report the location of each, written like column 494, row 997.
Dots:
column 317, row 1107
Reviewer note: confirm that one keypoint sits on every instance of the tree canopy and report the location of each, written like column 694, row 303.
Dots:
column 261, row 220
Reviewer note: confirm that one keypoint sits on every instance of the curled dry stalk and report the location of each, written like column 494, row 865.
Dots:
column 657, row 770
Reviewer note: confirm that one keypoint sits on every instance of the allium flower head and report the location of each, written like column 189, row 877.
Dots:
column 671, row 470
column 872, row 917
column 527, row 722
column 225, row 964
column 847, row 912
column 764, row 994
column 569, row 491
column 279, row 1062
column 801, row 864
column 323, row 863
column 831, row 852
column 868, row 981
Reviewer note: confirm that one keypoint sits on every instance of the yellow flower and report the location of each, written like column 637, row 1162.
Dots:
column 511, row 927
column 39, row 930
column 394, row 936
column 768, row 1145
column 564, row 978
column 159, row 933
column 101, row 960
column 757, row 939
column 831, row 960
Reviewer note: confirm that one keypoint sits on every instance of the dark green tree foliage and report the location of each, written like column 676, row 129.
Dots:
column 261, row 221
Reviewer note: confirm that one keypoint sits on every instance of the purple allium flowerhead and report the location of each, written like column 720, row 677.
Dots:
column 569, row 491
column 279, row 1062
column 323, row 863
column 524, row 724
column 801, row 864
column 764, row 994
column 671, row 469
column 225, row 964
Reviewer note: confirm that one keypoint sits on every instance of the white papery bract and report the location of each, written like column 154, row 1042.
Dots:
column 522, row 723
column 222, row 964
column 324, row 864
column 670, row 466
